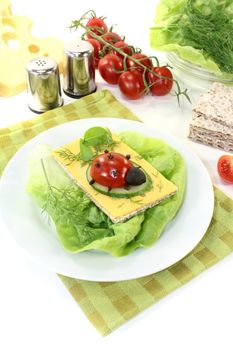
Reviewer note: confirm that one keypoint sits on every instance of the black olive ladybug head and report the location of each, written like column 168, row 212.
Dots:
column 135, row 176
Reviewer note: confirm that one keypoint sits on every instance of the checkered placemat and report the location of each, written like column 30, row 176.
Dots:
column 98, row 105
column 109, row 304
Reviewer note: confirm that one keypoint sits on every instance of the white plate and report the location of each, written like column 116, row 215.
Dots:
column 24, row 221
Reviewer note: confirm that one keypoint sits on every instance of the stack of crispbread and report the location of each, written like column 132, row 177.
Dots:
column 212, row 120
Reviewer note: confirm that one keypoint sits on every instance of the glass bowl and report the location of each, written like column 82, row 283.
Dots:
column 194, row 75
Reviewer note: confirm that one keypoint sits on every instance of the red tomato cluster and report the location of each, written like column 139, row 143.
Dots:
column 138, row 79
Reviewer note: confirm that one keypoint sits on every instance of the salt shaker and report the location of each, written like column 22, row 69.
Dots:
column 43, row 84
column 79, row 69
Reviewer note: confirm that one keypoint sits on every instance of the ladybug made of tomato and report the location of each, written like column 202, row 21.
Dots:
column 114, row 170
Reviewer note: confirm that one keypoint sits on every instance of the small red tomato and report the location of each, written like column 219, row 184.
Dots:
column 109, row 169
column 111, row 37
column 110, row 67
column 161, row 86
column 123, row 47
column 131, row 84
column 97, row 26
column 144, row 60
column 97, row 48
column 225, row 168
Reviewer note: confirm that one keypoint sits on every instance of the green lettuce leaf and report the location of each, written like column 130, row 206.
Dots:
column 170, row 32
column 80, row 225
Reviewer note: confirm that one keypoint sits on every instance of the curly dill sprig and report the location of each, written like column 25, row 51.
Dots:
column 210, row 31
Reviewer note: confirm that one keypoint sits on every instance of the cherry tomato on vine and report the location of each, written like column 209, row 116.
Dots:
column 161, row 86
column 109, row 67
column 109, row 169
column 225, row 168
column 97, row 48
column 145, row 60
column 131, row 84
column 124, row 47
column 111, row 37
column 97, row 26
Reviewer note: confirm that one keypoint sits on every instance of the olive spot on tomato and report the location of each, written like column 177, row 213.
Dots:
column 127, row 156
column 97, row 165
column 110, row 156
column 135, row 176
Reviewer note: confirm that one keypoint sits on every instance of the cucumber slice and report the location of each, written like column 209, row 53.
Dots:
column 121, row 192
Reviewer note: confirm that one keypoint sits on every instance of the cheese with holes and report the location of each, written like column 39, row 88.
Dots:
column 118, row 209
column 5, row 8
column 17, row 48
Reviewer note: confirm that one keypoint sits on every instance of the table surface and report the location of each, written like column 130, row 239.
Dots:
column 37, row 311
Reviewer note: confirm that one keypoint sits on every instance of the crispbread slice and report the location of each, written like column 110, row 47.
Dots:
column 202, row 121
column 217, row 104
column 212, row 118
column 209, row 138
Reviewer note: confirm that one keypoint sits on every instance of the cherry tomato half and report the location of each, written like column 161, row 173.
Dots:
column 109, row 169
column 225, row 168
column 97, row 26
column 97, row 48
column 145, row 60
column 124, row 47
column 161, row 86
column 131, row 84
column 109, row 66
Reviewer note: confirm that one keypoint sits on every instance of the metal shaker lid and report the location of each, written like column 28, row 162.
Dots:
column 41, row 65
column 78, row 48
column 43, row 84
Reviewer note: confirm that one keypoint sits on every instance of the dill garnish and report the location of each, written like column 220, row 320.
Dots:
column 74, row 213
column 209, row 29
column 121, row 205
column 138, row 157
column 155, row 175
column 66, row 154
column 159, row 185
column 137, row 201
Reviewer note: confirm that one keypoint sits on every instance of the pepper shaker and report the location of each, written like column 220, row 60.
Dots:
column 79, row 69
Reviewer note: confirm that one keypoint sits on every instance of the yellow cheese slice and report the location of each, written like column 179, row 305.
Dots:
column 118, row 209
column 17, row 48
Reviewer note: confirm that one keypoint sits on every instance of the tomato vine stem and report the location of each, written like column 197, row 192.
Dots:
column 89, row 30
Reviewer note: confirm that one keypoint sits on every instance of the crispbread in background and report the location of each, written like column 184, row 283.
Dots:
column 212, row 119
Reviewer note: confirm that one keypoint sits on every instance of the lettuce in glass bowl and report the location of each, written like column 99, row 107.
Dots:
column 199, row 32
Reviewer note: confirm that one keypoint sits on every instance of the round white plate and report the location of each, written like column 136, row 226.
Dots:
column 24, row 221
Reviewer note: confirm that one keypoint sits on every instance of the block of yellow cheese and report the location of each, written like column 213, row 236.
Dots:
column 118, row 209
column 5, row 8
column 17, row 48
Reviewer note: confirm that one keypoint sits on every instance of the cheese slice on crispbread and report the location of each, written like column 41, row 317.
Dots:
column 118, row 209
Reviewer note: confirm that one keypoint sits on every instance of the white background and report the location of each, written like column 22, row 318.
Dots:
column 36, row 310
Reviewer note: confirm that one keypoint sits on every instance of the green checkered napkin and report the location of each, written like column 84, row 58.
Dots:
column 109, row 304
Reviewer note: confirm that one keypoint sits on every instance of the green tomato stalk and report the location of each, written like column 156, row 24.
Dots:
column 89, row 30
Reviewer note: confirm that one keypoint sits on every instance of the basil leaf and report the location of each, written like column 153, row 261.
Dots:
column 86, row 152
column 97, row 136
